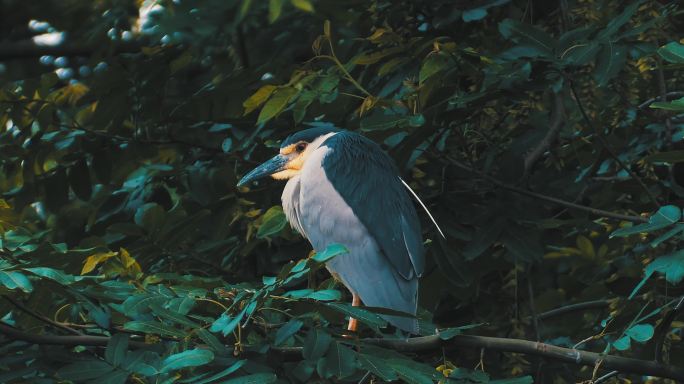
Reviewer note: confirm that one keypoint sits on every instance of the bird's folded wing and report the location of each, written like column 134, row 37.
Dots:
column 366, row 178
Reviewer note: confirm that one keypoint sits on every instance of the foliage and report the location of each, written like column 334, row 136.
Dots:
column 121, row 148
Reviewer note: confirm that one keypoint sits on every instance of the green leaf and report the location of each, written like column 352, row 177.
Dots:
column 339, row 362
column 286, row 331
column 315, row 344
column 154, row 327
column 14, row 279
column 381, row 121
column 259, row 97
column 622, row 344
column 672, row 52
column 329, row 252
column 672, row 266
column 54, row 274
column 364, row 316
column 411, row 372
column 116, row 349
column 581, row 54
column 212, row 341
column 676, row 230
column 135, row 305
column 304, row 5
column 674, row 105
column 614, row 25
column 274, row 9
column 664, row 217
column 611, row 60
column 223, row 373
column 273, row 221
column 434, row 63
column 527, row 34
column 325, row 295
column 172, row 316
column 85, row 370
column 189, row 358
column 416, row 120
column 640, row 332
column 368, row 58
column 480, row 12
column 377, row 366
column 448, row 333
column 257, row 378
column 150, row 216
column 276, row 104
column 666, row 157
column 483, row 239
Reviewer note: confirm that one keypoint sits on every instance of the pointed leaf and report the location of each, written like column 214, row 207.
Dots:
column 290, row 328
column 189, row 358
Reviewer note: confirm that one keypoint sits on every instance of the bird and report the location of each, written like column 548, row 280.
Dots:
column 344, row 188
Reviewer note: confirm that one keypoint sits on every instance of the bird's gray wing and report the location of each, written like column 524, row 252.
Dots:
column 368, row 181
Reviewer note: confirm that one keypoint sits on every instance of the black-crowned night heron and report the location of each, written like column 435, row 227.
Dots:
column 343, row 188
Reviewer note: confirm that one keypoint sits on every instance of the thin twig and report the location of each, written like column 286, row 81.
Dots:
column 346, row 73
column 533, row 310
column 662, row 86
column 40, row 317
column 668, row 95
column 557, row 120
column 664, row 329
column 605, row 377
column 573, row 308
column 593, row 211
column 607, row 147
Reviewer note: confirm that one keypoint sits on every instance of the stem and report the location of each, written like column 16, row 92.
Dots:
column 605, row 145
column 346, row 73
column 593, row 211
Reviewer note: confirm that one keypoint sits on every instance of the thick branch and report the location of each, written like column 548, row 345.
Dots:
column 557, row 120
column 593, row 211
column 567, row 355
column 425, row 344
column 28, row 49
column 16, row 334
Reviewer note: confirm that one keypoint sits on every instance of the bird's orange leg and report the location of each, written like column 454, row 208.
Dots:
column 356, row 301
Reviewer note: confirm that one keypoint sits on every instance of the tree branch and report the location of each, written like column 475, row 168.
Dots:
column 593, row 211
column 424, row 344
column 607, row 147
column 666, row 96
column 28, row 49
column 567, row 355
column 664, row 329
column 16, row 334
column 573, row 308
column 40, row 317
column 557, row 120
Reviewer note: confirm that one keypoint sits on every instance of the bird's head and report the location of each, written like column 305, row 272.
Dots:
column 294, row 152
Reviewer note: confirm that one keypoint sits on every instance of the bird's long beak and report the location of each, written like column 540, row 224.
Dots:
column 275, row 164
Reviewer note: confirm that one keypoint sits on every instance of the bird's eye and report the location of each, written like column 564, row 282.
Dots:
column 301, row 147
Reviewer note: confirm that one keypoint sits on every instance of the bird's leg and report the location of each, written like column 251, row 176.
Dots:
column 356, row 301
